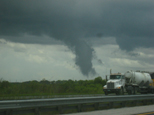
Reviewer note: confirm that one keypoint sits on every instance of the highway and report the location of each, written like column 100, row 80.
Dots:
column 139, row 110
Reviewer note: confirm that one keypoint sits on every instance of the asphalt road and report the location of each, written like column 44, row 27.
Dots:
column 147, row 113
column 138, row 110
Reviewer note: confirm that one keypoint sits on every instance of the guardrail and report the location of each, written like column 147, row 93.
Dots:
column 61, row 104
column 47, row 96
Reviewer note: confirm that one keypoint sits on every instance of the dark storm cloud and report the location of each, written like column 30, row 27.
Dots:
column 131, row 22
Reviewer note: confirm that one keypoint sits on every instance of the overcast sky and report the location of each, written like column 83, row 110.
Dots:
column 74, row 39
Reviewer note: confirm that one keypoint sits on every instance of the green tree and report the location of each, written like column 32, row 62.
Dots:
column 98, row 80
column 4, row 84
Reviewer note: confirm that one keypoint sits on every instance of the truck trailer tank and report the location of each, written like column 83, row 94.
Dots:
column 138, row 78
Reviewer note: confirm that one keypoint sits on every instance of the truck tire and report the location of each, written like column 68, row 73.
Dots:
column 130, row 92
column 117, row 93
column 152, row 91
column 134, row 90
column 121, row 92
column 106, row 93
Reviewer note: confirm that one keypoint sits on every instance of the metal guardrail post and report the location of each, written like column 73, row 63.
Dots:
column 144, row 102
column 60, row 109
column 152, row 100
column 79, row 107
column 134, row 103
column 37, row 111
column 9, row 112
column 96, row 106
column 123, row 104
column 111, row 104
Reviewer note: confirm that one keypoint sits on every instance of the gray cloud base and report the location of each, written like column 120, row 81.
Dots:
column 130, row 22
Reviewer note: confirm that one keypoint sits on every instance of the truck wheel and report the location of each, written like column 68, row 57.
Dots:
column 106, row 93
column 121, row 92
column 152, row 91
column 130, row 92
column 134, row 90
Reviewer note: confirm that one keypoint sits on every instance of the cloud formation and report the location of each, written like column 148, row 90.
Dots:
column 74, row 22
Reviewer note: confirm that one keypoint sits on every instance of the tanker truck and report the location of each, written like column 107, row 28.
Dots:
column 131, row 82
column 139, row 81
column 116, row 84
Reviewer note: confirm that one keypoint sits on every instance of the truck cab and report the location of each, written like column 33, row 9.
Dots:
column 116, row 84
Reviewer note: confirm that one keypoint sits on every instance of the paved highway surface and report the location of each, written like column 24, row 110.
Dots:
column 147, row 113
column 138, row 110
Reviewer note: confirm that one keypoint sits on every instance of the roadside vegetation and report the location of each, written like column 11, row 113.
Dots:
column 45, row 87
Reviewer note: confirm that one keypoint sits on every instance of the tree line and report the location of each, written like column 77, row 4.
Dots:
column 45, row 87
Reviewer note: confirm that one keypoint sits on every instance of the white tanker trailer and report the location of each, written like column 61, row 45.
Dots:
column 139, row 81
column 131, row 82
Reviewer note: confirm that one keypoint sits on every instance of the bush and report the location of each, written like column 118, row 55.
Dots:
column 52, row 87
